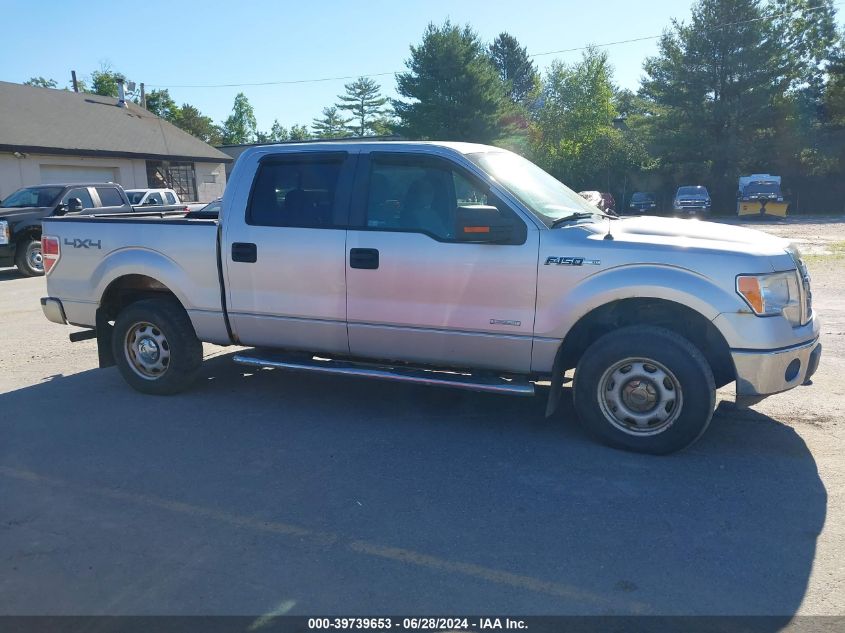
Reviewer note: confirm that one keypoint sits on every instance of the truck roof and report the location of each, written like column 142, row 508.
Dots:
column 345, row 146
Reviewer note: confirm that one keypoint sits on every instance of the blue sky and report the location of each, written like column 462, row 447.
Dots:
column 178, row 43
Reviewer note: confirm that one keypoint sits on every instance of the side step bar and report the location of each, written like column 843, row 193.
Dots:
column 397, row 374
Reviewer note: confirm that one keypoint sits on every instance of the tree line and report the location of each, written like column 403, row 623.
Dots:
column 743, row 87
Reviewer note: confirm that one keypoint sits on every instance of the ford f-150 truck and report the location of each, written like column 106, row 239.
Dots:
column 444, row 264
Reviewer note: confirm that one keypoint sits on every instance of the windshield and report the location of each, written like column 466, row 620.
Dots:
column 692, row 191
column 643, row 197
column 135, row 197
column 763, row 187
column 33, row 197
column 544, row 195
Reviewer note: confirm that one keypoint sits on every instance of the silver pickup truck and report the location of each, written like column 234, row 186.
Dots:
column 444, row 264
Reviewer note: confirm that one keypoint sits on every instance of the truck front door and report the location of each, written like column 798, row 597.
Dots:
column 418, row 293
column 285, row 259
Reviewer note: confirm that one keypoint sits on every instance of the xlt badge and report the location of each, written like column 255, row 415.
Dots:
column 572, row 261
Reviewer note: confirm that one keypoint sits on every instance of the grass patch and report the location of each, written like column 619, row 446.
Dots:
column 834, row 251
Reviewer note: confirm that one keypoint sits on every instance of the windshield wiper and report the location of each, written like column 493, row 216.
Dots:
column 580, row 215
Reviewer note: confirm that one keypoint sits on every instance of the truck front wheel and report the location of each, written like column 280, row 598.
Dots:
column 28, row 257
column 644, row 389
column 155, row 346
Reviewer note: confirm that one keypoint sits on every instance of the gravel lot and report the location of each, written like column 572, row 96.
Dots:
column 262, row 492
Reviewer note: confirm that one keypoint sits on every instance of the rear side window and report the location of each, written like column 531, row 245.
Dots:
column 171, row 199
column 296, row 193
column 109, row 196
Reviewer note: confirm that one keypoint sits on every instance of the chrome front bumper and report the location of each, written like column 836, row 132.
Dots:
column 761, row 373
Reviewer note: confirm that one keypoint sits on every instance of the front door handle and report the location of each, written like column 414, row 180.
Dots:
column 366, row 258
column 246, row 252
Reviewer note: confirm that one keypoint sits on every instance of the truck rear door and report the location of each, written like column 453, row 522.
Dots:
column 285, row 254
column 415, row 291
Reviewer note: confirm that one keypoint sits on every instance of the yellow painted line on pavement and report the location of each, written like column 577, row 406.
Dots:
column 407, row 557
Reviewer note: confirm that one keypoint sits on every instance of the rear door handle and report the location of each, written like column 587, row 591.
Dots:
column 366, row 258
column 246, row 252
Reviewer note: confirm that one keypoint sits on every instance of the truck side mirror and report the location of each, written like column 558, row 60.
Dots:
column 484, row 224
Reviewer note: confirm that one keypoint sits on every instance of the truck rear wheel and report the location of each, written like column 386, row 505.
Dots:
column 28, row 257
column 644, row 389
column 155, row 347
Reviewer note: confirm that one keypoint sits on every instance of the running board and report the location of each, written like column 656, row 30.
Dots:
column 397, row 374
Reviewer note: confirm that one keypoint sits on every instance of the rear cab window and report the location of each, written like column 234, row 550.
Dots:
column 110, row 196
column 309, row 190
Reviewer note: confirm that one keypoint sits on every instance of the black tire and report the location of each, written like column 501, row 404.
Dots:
column 164, row 330
column 677, row 375
column 27, row 256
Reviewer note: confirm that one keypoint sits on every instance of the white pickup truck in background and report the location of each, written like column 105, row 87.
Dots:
column 160, row 199
column 443, row 264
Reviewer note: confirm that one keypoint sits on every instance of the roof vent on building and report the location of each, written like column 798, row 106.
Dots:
column 121, row 94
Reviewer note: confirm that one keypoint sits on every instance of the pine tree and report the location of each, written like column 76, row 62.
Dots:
column 331, row 125
column 515, row 67
column 452, row 89
column 364, row 103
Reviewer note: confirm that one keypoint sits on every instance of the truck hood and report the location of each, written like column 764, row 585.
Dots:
column 678, row 233
column 16, row 214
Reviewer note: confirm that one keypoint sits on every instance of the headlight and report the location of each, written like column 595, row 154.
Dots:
column 771, row 295
column 4, row 232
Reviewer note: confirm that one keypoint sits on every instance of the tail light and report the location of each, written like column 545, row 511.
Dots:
column 50, row 251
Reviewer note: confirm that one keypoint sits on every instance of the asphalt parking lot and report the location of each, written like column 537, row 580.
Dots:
column 261, row 492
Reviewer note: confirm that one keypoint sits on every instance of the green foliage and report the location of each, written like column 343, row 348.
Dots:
column 160, row 103
column 363, row 101
column 331, row 125
column 299, row 133
column 240, row 127
column 192, row 121
column 453, row 91
column 41, row 82
column 515, row 68
column 104, row 82
column 574, row 136
column 278, row 133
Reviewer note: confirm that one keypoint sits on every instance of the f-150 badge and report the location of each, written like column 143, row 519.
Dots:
column 572, row 261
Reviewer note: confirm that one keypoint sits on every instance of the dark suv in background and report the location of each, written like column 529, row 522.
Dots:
column 642, row 202
column 22, row 211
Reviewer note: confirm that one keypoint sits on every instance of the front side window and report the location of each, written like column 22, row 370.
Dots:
column 109, row 197
column 82, row 194
column 409, row 194
column 296, row 193
column 135, row 197
column 32, row 197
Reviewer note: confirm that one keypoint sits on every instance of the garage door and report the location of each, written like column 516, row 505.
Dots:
column 77, row 173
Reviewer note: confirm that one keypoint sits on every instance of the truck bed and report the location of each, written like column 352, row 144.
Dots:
column 180, row 254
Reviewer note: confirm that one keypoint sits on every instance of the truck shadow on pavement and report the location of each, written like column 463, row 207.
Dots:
column 350, row 496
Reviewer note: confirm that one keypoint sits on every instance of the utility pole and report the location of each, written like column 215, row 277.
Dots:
column 143, row 97
column 73, row 79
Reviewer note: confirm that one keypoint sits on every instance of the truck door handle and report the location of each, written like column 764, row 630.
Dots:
column 366, row 258
column 244, row 252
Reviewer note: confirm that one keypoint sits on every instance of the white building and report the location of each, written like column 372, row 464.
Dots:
column 58, row 136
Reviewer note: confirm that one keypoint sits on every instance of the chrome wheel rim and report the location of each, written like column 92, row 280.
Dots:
column 147, row 350
column 640, row 396
column 34, row 258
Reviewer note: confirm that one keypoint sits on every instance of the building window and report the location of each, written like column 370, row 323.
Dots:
column 179, row 176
